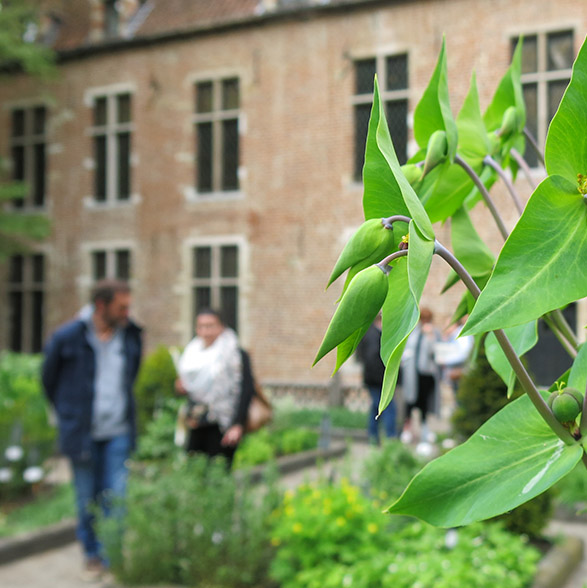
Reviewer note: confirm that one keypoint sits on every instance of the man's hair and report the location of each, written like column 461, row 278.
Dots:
column 213, row 312
column 105, row 290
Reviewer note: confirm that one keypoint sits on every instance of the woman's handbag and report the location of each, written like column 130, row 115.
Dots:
column 260, row 411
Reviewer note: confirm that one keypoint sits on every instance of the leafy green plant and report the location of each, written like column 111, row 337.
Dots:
column 524, row 448
column 311, row 417
column 157, row 440
column 332, row 536
column 26, row 436
column 155, row 384
column 190, row 521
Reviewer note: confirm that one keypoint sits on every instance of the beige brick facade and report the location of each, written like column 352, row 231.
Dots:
column 297, row 201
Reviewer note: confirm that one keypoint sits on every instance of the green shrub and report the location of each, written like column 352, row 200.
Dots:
column 189, row 521
column 157, row 440
column 155, row 383
column 255, row 448
column 312, row 417
column 297, row 440
column 24, row 423
column 328, row 536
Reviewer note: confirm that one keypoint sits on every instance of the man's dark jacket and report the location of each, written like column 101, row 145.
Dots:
column 68, row 380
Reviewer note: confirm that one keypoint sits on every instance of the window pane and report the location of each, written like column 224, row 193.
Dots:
column 39, row 120
column 555, row 94
column 37, row 322
column 364, row 76
column 16, row 269
column 397, row 72
column 39, row 175
column 123, row 140
column 202, row 299
column 123, row 108
column 204, row 94
column 531, row 100
column 17, row 123
column 204, row 157
column 202, row 262
column 111, row 18
column 230, row 94
column 229, row 305
column 38, row 268
column 529, row 54
column 122, row 264
column 229, row 261
column 397, row 119
column 560, row 50
column 18, row 163
column 100, row 168
column 100, row 112
column 362, row 113
column 230, row 155
column 15, row 320
column 99, row 265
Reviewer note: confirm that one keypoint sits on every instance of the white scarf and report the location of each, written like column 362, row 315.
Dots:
column 212, row 375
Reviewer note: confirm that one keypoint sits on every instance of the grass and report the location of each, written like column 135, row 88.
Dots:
column 52, row 506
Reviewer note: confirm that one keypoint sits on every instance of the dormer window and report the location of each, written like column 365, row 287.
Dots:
column 111, row 18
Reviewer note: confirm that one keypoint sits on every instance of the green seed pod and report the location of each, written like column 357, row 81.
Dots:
column 369, row 245
column 566, row 404
column 509, row 123
column 357, row 309
column 412, row 172
column 436, row 151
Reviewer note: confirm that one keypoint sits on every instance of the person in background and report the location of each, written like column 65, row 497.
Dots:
column 455, row 352
column 420, row 375
column 216, row 377
column 369, row 354
column 89, row 368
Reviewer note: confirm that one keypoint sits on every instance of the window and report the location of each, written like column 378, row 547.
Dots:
column 215, row 280
column 111, row 19
column 111, row 133
column 216, row 125
column 26, row 298
column 392, row 74
column 111, row 263
column 28, row 151
column 547, row 60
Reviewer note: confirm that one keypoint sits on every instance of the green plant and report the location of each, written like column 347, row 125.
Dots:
column 26, row 436
column 332, row 536
column 523, row 449
column 339, row 416
column 157, row 440
column 190, row 521
column 155, row 384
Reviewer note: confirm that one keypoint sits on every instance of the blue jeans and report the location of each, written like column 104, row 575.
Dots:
column 388, row 416
column 100, row 481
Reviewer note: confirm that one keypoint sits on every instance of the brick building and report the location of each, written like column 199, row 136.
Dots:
column 210, row 151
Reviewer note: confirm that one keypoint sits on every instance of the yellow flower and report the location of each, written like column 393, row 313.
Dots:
column 297, row 528
column 340, row 521
column 372, row 528
column 289, row 511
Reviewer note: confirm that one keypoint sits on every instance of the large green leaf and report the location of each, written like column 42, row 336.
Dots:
column 508, row 93
column 400, row 311
column 512, row 458
column 523, row 338
column 433, row 112
column 468, row 246
column 387, row 192
column 542, row 264
column 565, row 153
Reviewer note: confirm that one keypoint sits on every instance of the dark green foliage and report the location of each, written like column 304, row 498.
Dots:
column 312, row 417
column 155, row 384
column 157, row 440
column 481, row 394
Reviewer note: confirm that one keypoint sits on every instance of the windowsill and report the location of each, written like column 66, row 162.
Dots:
column 192, row 196
column 90, row 203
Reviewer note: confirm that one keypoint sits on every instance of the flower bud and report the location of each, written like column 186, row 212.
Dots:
column 566, row 404
column 509, row 123
column 436, row 151
column 357, row 309
column 412, row 172
column 370, row 244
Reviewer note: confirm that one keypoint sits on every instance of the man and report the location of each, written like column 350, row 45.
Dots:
column 369, row 353
column 88, row 374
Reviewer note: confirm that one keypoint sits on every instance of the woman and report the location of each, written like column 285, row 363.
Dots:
column 215, row 375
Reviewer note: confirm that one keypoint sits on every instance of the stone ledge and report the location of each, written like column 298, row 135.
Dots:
column 558, row 565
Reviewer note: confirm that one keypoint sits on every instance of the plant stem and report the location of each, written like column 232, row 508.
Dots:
column 524, row 167
column 509, row 351
column 385, row 262
column 583, row 421
column 561, row 338
column 563, row 325
column 397, row 218
column 485, row 194
column 534, row 144
column 501, row 173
